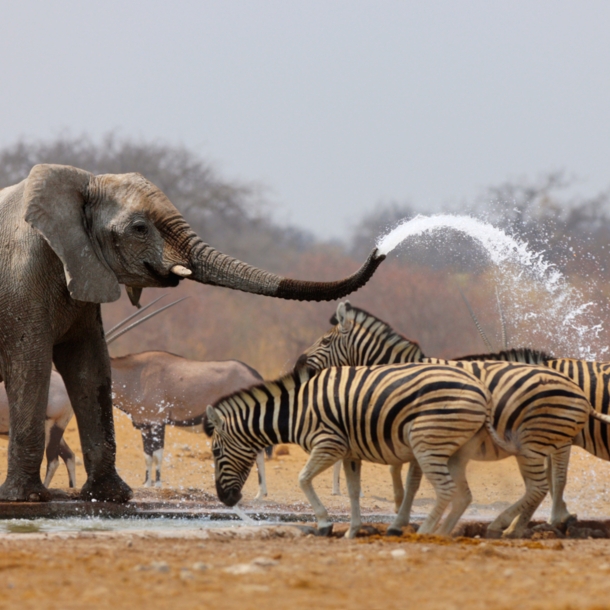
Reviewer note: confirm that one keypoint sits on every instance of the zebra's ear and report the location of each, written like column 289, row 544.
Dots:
column 345, row 316
column 213, row 418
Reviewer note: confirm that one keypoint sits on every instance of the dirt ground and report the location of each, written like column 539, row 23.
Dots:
column 284, row 568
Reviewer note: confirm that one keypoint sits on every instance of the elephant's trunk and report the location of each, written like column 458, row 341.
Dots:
column 210, row 266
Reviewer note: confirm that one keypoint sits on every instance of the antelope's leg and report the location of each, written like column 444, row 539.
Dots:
column 337, row 479
column 67, row 455
column 262, row 477
column 397, row 488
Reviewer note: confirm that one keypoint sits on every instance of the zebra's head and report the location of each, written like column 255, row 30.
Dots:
column 332, row 348
column 232, row 460
column 358, row 339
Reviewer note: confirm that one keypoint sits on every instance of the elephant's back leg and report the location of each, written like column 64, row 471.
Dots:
column 27, row 387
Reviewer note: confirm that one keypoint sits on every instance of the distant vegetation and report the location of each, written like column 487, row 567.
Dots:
column 415, row 290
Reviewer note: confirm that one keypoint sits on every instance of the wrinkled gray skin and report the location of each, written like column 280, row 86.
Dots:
column 58, row 415
column 155, row 389
column 68, row 239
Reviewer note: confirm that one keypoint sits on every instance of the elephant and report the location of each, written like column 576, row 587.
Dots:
column 59, row 410
column 57, row 417
column 155, row 389
column 68, row 240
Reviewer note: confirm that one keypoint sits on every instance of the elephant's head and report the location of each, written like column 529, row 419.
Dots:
column 121, row 229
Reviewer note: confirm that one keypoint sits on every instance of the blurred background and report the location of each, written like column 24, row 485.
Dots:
column 292, row 135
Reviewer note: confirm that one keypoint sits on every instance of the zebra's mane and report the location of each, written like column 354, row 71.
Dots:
column 294, row 378
column 525, row 355
column 362, row 315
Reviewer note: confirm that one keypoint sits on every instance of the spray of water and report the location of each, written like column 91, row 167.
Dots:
column 544, row 310
column 243, row 515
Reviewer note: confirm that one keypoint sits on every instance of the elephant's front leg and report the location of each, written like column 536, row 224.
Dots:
column 85, row 367
column 27, row 387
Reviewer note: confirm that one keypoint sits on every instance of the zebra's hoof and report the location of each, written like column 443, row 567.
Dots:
column 307, row 530
column 394, row 531
column 325, row 531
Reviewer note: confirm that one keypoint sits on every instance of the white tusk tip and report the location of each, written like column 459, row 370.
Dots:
column 181, row 270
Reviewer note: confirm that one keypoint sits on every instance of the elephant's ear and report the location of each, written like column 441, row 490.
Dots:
column 55, row 199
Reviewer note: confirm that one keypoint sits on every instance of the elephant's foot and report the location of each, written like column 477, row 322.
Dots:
column 24, row 491
column 110, row 488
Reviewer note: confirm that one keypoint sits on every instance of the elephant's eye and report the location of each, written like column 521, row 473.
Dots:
column 139, row 228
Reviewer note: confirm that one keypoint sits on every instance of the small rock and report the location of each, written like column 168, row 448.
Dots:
column 264, row 562
column 398, row 553
column 240, row 569
column 160, row 566
column 508, row 573
column 199, row 566
column 186, row 574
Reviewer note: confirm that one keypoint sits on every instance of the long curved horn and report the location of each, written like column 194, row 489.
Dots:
column 133, row 315
column 138, row 322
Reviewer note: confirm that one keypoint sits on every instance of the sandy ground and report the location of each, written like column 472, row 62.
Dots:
column 286, row 568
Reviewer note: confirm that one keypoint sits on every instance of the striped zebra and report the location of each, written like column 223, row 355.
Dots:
column 536, row 412
column 384, row 414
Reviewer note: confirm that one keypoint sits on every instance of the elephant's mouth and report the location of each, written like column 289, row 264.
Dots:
column 169, row 280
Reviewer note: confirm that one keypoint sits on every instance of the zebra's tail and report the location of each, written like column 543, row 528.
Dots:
column 496, row 438
column 599, row 416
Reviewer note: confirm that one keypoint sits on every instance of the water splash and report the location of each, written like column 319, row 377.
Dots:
column 545, row 310
column 244, row 516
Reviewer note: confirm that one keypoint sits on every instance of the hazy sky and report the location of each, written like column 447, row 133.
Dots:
column 333, row 105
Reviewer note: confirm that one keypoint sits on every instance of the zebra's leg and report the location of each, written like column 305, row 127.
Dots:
column 397, row 488
column 462, row 497
column 352, row 470
column 515, row 518
column 559, row 467
column 437, row 472
column 67, row 455
column 337, row 479
column 404, row 511
column 549, row 474
column 321, row 458
column 262, row 478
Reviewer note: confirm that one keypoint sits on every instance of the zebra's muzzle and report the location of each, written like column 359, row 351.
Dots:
column 229, row 497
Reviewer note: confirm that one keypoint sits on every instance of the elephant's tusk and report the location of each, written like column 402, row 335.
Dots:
column 181, row 270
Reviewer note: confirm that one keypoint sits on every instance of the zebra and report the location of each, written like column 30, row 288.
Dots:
column 526, row 400
column 384, row 414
